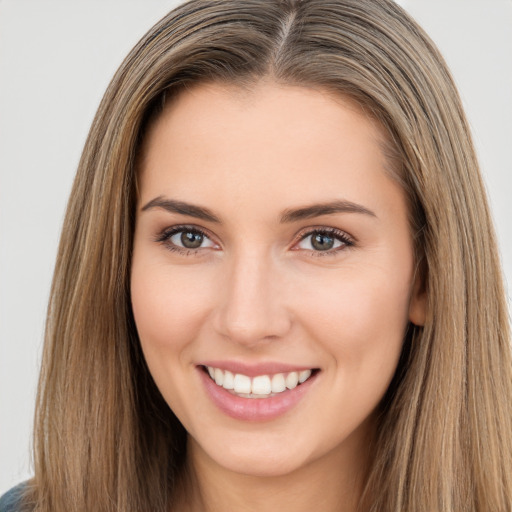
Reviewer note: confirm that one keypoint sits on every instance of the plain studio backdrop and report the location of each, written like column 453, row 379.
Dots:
column 56, row 59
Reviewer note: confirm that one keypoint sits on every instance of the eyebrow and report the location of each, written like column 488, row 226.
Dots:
column 288, row 216
column 173, row 206
column 330, row 208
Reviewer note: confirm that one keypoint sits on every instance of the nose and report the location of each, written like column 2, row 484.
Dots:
column 252, row 307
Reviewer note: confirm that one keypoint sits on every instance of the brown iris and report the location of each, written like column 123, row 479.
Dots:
column 191, row 239
column 322, row 242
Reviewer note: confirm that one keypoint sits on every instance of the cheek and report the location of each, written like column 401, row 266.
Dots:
column 360, row 315
column 169, row 307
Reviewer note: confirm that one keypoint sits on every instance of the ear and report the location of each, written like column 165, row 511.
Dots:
column 418, row 301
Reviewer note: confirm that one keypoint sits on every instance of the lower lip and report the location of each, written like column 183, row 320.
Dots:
column 254, row 409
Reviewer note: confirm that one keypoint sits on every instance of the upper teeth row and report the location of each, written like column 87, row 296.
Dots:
column 260, row 385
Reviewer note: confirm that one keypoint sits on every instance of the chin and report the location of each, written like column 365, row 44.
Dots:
column 261, row 458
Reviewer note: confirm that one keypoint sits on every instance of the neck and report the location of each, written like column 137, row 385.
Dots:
column 331, row 483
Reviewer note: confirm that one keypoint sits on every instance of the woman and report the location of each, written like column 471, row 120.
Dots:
column 272, row 289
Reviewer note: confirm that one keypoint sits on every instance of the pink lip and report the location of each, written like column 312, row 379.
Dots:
column 255, row 369
column 253, row 409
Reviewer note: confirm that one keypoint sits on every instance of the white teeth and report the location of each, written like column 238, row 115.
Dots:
column 292, row 379
column 228, row 380
column 278, row 383
column 304, row 375
column 261, row 386
column 242, row 383
column 219, row 377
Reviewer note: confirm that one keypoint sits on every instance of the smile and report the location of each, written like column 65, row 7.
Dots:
column 260, row 386
column 276, row 392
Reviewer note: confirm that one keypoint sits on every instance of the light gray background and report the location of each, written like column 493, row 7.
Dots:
column 56, row 59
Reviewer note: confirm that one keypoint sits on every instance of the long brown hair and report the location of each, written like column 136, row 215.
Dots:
column 105, row 439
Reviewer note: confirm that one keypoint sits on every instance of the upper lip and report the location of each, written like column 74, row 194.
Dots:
column 255, row 369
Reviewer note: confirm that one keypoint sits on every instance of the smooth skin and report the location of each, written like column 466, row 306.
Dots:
column 334, row 291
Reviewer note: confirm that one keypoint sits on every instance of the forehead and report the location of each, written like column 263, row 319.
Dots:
column 274, row 142
column 264, row 104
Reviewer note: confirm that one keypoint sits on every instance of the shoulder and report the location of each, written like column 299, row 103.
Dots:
column 11, row 500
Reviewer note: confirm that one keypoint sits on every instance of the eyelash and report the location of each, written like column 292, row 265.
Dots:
column 346, row 241
column 165, row 236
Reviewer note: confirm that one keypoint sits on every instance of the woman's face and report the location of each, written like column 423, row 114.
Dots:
column 271, row 247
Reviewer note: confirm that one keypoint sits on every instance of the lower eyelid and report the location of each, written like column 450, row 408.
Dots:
column 164, row 236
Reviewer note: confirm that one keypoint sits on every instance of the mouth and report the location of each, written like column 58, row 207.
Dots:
column 258, row 386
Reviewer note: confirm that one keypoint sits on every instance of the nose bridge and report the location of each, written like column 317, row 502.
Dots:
column 252, row 307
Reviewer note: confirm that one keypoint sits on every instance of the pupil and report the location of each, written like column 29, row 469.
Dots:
column 191, row 240
column 322, row 242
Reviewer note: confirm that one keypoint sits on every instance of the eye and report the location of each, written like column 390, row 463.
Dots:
column 184, row 239
column 190, row 239
column 325, row 240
